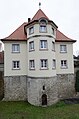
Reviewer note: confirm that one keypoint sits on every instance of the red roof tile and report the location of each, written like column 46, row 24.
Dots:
column 60, row 37
column 18, row 34
column 39, row 14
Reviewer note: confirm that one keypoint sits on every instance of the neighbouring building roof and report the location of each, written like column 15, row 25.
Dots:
column 20, row 35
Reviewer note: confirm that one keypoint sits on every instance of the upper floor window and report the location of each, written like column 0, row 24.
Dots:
column 16, row 64
column 43, row 27
column 31, row 30
column 53, row 31
column 44, row 63
column 63, row 63
column 54, row 64
column 31, row 64
column 63, row 48
column 15, row 47
column 53, row 46
column 43, row 44
column 31, row 45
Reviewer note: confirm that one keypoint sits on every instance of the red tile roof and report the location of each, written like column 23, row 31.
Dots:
column 39, row 14
column 61, row 37
column 18, row 34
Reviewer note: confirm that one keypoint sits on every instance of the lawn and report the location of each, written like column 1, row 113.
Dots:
column 23, row 110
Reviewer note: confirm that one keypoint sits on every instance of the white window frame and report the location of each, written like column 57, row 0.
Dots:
column 64, row 64
column 44, row 63
column 31, row 30
column 63, row 48
column 54, row 64
column 43, row 44
column 43, row 28
column 31, row 64
column 16, row 48
column 15, row 64
column 31, row 46
column 53, row 46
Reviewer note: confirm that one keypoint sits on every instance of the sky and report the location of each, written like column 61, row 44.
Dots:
column 65, row 14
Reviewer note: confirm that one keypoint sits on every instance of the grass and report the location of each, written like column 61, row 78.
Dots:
column 23, row 110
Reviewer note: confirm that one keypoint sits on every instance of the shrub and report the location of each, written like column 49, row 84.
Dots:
column 77, row 81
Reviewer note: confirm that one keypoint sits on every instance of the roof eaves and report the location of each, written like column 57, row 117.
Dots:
column 65, row 40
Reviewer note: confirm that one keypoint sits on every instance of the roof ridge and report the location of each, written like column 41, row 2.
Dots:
column 38, row 13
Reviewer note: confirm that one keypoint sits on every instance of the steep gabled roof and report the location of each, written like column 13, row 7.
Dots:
column 39, row 14
column 60, row 37
column 18, row 34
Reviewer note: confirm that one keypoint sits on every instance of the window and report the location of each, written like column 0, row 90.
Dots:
column 43, row 87
column 63, row 48
column 53, row 32
column 15, row 48
column 53, row 46
column 31, row 30
column 31, row 45
column 31, row 64
column 54, row 64
column 44, row 63
column 63, row 63
column 16, row 64
column 43, row 44
column 43, row 28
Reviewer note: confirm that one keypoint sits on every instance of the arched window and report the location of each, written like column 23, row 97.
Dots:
column 43, row 25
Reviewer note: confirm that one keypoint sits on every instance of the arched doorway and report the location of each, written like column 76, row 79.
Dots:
column 44, row 99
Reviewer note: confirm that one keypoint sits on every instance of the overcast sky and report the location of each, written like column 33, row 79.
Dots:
column 65, row 13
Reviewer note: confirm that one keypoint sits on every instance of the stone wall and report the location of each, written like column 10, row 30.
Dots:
column 35, row 90
column 15, row 88
column 66, row 85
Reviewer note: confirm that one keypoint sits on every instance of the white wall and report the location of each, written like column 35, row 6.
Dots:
column 9, row 57
column 64, row 56
column 38, row 54
column 37, row 32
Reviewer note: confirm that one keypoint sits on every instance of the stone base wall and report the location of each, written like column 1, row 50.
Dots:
column 35, row 90
column 15, row 88
column 66, row 85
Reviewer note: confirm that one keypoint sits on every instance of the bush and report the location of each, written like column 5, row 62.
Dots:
column 77, row 81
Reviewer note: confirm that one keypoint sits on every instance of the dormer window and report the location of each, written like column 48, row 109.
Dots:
column 43, row 26
column 31, row 30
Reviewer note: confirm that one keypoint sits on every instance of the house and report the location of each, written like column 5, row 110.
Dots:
column 38, row 63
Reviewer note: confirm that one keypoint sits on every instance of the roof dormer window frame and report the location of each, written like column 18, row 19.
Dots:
column 43, row 25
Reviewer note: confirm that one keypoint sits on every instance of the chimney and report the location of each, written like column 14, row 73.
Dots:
column 29, row 19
